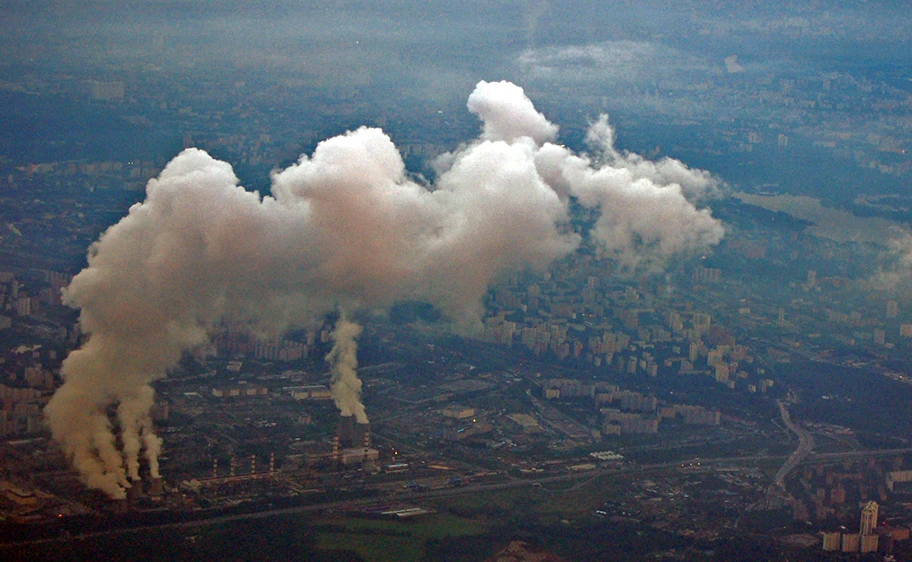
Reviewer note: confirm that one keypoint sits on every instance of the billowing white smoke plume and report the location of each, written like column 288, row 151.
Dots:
column 646, row 209
column 344, row 229
column 894, row 272
column 346, row 386
column 696, row 184
column 508, row 115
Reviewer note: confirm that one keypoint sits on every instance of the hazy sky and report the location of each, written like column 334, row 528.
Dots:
column 645, row 58
column 431, row 41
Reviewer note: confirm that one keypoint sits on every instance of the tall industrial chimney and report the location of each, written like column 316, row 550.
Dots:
column 156, row 489
column 362, row 435
column 346, row 431
column 135, row 490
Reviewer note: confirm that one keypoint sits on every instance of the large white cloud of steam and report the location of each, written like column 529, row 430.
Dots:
column 344, row 229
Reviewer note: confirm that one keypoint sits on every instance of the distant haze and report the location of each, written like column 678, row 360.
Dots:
column 436, row 46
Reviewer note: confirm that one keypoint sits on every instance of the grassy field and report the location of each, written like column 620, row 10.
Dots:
column 548, row 504
column 393, row 541
column 482, row 515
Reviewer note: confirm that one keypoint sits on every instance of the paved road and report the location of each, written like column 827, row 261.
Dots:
column 805, row 446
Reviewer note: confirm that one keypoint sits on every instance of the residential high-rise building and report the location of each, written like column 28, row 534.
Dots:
column 868, row 518
column 879, row 336
column 722, row 372
column 831, row 541
column 851, row 542
column 702, row 321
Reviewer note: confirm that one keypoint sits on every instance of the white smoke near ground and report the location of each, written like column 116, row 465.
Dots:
column 345, row 384
column 615, row 65
column 136, row 424
column 344, row 229
column 153, row 445
column 894, row 272
column 695, row 184
column 646, row 209
column 533, row 10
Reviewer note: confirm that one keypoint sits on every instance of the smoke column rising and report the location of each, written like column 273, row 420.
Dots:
column 343, row 229
column 346, row 386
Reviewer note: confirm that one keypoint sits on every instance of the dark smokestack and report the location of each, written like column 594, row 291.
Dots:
column 346, row 431
column 156, row 488
column 362, row 435
column 337, row 451
column 134, row 492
